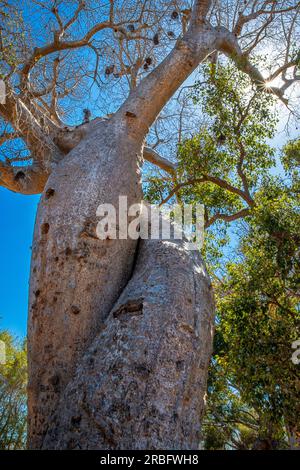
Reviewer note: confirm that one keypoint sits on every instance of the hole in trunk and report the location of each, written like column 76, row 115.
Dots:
column 49, row 193
column 75, row 310
column 20, row 176
column 132, row 307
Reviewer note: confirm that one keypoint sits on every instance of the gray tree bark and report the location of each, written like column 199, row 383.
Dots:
column 118, row 351
column 141, row 383
column 77, row 279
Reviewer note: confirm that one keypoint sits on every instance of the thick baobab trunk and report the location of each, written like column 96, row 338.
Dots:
column 75, row 277
column 128, row 344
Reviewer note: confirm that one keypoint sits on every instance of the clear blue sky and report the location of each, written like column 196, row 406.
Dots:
column 16, row 229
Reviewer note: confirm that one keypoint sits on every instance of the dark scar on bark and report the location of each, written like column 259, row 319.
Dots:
column 130, row 114
column 55, row 382
column 68, row 251
column 45, row 228
column 19, row 176
column 132, row 307
column 75, row 310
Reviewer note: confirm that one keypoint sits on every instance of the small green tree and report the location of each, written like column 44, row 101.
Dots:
column 259, row 318
column 13, row 396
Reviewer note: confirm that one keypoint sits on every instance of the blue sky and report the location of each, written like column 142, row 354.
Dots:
column 16, row 229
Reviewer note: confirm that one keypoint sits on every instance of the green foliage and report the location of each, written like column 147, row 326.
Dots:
column 13, row 381
column 254, row 387
column 232, row 145
column 258, row 319
column 238, row 114
column 223, row 163
column 156, row 189
column 229, row 422
column 291, row 163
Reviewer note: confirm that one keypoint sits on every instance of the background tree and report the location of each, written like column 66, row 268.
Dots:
column 258, row 320
column 145, row 395
column 13, row 396
column 221, row 165
column 227, row 164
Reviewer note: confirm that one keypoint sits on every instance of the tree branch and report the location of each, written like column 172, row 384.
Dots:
column 228, row 44
column 211, row 179
column 200, row 10
column 153, row 157
column 37, row 137
column 25, row 179
column 244, row 19
column 227, row 217
column 146, row 101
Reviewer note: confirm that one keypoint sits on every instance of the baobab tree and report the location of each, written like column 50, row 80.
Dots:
column 119, row 331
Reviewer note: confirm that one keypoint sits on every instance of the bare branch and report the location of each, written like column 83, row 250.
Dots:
column 6, row 136
column 153, row 157
column 244, row 19
column 15, row 112
column 58, row 45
